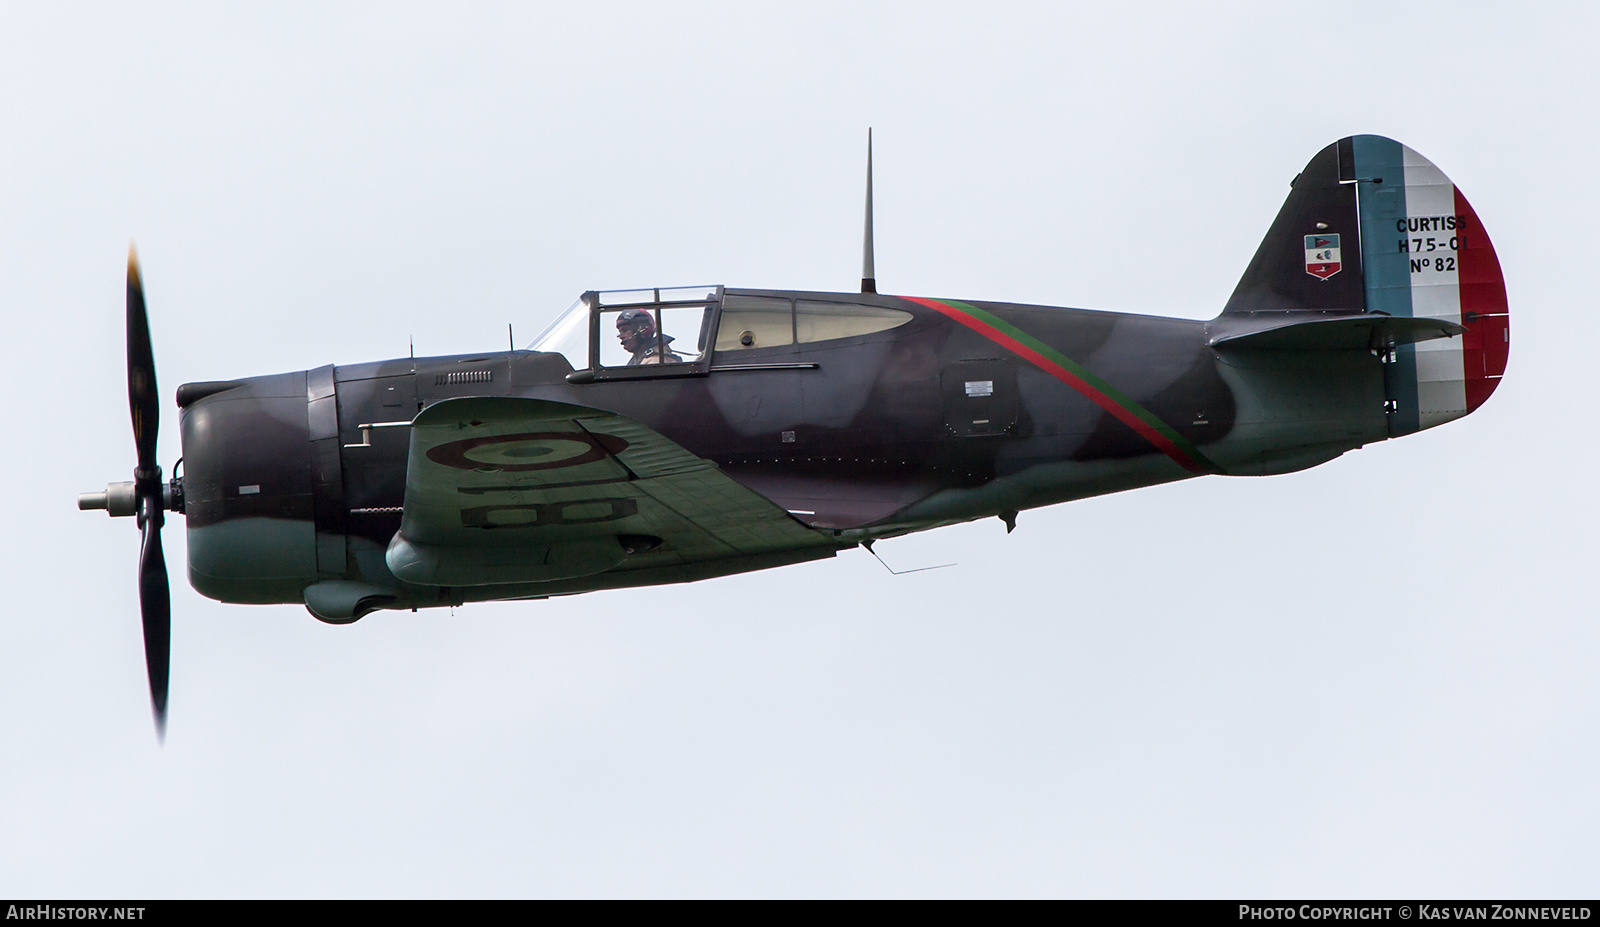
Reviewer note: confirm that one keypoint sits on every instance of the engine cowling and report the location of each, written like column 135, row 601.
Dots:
column 250, row 492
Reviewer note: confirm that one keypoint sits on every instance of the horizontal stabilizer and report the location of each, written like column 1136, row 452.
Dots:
column 1369, row 331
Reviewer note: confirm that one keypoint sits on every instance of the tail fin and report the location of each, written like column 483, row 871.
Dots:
column 1310, row 260
column 1372, row 227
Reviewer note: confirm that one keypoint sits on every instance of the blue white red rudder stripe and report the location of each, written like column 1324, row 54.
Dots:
column 1426, row 255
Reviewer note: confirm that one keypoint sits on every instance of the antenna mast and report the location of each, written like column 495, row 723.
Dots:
column 869, row 276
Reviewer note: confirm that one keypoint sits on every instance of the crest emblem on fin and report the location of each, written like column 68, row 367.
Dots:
column 1322, row 255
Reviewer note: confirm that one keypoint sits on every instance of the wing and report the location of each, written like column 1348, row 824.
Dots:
column 502, row 490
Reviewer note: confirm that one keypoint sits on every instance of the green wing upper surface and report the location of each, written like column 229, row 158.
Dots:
column 502, row 490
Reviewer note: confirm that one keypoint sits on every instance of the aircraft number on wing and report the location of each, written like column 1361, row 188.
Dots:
column 547, row 514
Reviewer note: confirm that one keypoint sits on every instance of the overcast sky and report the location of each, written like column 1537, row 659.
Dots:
column 1377, row 677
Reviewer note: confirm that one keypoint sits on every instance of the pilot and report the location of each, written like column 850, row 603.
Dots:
column 636, row 329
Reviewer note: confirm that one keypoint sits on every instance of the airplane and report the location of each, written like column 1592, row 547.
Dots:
column 670, row 435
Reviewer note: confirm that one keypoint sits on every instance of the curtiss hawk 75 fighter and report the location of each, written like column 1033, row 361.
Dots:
column 668, row 435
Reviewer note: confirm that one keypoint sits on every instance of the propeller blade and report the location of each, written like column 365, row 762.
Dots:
column 155, row 608
column 142, row 399
column 155, row 600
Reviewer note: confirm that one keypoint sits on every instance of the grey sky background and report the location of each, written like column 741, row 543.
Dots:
column 1372, row 678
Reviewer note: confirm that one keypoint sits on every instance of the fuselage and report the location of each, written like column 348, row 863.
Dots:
column 943, row 411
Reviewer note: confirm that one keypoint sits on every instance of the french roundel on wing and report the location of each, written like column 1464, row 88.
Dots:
column 544, row 450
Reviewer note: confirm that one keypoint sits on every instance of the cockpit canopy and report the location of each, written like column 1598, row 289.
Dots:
column 618, row 329
column 672, row 331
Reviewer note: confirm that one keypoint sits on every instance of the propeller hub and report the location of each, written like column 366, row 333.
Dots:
column 121, row 500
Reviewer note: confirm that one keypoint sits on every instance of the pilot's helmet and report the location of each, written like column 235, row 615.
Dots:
column 639, row 321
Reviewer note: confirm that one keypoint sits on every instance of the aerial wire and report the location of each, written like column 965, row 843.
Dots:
column 868, row 546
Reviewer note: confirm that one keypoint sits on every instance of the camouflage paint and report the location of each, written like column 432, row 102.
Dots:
column 1063, row 368
column 294, row 495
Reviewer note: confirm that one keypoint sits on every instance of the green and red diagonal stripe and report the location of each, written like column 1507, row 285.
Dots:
column 1075, row 375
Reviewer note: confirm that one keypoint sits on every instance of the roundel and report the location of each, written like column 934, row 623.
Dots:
column 541, row 450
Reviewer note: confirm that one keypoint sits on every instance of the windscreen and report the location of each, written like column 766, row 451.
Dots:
column 568, row 336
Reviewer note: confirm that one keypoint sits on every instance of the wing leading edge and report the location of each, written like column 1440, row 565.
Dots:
column 503, row 490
